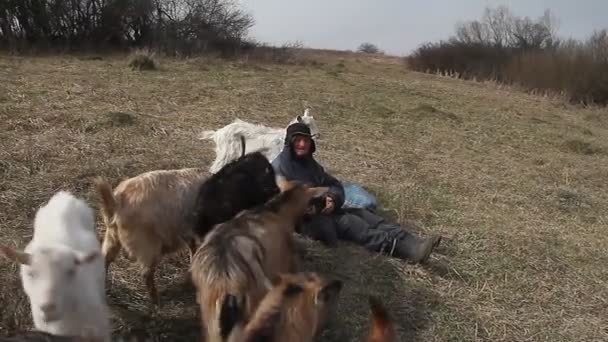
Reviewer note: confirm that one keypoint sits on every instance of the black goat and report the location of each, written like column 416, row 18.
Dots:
column 242, row 184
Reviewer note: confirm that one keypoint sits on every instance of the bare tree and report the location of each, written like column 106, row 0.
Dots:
column 174, row 24
column 368, row 48
column 499, row 22
column 598, row 46
column 500, row 28
column 473, row 32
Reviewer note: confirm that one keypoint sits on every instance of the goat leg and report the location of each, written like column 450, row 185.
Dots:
column 192, row 247
column 148, row 276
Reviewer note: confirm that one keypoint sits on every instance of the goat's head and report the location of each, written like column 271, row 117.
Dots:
column 263, row 175
column 316, row 205
column 50, row 278
column 318, row 297
column 309, row 121
column 297, row 196
column 299, row 302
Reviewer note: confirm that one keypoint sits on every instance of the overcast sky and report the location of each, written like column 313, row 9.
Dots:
column 398, row 26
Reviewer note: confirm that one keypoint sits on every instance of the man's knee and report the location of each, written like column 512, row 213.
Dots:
column 372, row 219
column 352, row 227
column 321, row 228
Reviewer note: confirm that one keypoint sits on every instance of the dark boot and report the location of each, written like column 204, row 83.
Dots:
column 416, row 249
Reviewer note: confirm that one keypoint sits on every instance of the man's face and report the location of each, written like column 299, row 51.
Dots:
column 301, row 145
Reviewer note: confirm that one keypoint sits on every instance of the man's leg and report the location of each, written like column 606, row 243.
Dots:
column 371, row 218
column 410, row 246
column 321, row 228
column 354, row 228
column 389, row 238
column 377, row 221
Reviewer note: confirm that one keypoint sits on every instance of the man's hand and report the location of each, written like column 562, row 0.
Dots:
column 329, row 205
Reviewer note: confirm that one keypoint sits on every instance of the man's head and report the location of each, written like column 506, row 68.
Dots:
column 299, row 140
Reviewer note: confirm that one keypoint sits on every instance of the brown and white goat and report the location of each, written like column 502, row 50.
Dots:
column 240, row 256
column 150, row 215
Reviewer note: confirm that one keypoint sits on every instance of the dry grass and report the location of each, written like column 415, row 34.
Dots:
column 523, row 210
column 142, row 60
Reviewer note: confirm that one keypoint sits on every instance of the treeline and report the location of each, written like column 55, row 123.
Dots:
column 523, row 51
column 171, row 26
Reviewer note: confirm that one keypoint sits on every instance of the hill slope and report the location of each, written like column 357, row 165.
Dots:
column 516, row 183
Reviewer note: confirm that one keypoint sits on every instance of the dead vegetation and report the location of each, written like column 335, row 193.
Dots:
column 510, row 49
column 522, row 261
column 142, row 61
column 581, row 147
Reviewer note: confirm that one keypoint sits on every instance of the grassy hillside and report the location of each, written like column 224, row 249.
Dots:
column 516, row 183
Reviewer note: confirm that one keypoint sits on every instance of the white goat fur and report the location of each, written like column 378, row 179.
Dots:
column 62, row 267
column 267, row 140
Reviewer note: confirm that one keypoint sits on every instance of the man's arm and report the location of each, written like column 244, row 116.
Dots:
column 336, row 190
column 276, row 166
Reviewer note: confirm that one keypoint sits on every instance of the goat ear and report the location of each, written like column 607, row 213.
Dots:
column 317, row 191
column 85, row 258
column 306, row 112
column 329, row 292
column 283, row 183
column 16, row 256
column 276, row 279
column 299, row 118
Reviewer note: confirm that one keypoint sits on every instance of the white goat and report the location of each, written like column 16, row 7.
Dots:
column 62, row 271
column 240, row 137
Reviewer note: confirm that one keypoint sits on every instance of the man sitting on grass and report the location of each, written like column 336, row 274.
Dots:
column 333, row 222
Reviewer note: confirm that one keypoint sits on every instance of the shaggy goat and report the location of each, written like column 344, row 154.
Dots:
column 239, row 256
column 238, row 136
column 62, row 271
column 241, row 184
column 295, row 310
column 150, row 215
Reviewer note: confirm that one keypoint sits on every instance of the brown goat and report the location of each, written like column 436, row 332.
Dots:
column 382, row 328
column 149, row 216
column 240, row 256
column 296, row 309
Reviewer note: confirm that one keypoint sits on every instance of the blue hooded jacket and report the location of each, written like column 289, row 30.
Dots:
column 305, row 169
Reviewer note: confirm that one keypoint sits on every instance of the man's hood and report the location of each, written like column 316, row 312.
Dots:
column 298, row 128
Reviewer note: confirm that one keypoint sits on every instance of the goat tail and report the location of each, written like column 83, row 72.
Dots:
column 111, row 244
column 243, row 145
column 108, row 201
column 382, row 328
column 209, row 134
column 229, row 147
